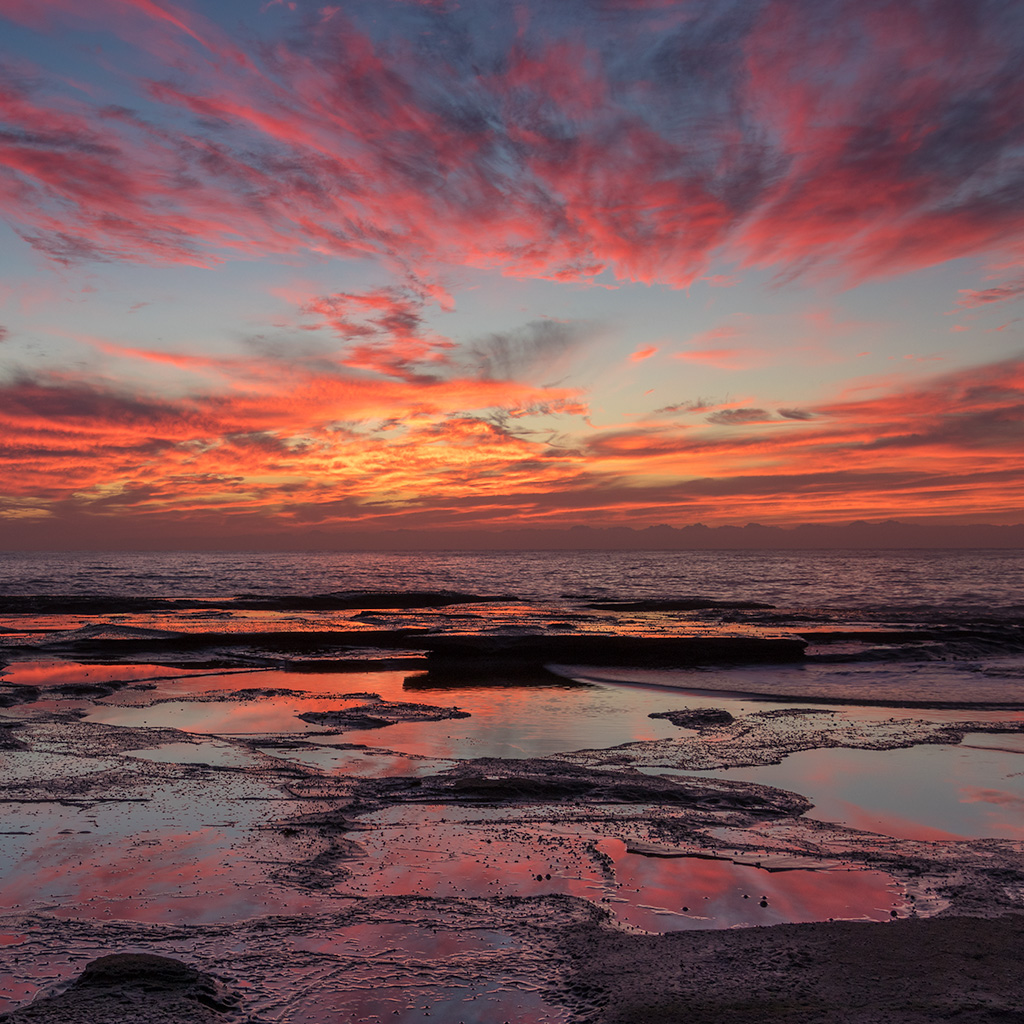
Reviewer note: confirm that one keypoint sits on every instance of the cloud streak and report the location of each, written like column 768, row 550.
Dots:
column 330, row 449
column 640, row 148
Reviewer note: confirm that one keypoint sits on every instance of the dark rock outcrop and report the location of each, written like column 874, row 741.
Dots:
column 695, row 718
column 134, row 988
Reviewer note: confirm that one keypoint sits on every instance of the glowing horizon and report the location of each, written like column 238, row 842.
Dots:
column 423, row 266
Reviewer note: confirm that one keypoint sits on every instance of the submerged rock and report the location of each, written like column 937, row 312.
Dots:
column 682, row 604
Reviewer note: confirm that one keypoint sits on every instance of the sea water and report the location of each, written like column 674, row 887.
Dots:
column 979, row 582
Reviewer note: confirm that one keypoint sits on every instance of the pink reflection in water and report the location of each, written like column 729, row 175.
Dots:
column 387, row 683
column 228, row 717
column 894, row 825
column 423, row 852
column 159, row 876
column 669, row 894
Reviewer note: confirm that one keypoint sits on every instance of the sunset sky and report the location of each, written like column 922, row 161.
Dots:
column 274, row 267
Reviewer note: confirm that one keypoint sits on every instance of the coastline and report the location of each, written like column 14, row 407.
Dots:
column 422, row 809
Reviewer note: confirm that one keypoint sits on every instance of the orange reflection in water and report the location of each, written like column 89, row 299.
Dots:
column 53, row 673
column 228, row 717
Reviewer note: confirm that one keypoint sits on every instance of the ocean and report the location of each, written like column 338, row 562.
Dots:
column 943, row 627
column 959, row 583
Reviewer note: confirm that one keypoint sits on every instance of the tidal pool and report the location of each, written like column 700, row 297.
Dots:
column 972, row 790
column 474, row 852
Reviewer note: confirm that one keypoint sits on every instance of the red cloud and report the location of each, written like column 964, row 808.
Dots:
column 385, row 331
column 869, row 146
column 950, row 446
column 720, row 358
column 538, row 157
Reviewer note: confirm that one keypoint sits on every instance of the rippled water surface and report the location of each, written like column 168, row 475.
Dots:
column 965, row 580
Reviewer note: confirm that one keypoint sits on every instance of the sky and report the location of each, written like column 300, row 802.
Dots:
column 282, row 269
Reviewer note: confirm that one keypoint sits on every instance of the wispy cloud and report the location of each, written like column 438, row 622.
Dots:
column 739, row 417
column 972, row 298
column 534, row 155
column 602, row 141
column 642, row 353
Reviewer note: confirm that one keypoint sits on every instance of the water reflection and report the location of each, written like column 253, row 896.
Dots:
column 228, row 717
column 460, row 853
column 674, row 894
column 52, row 672
column 223, row 754
column 928, row 792
column 156, row 876
column 513, row 722
column 924, row 792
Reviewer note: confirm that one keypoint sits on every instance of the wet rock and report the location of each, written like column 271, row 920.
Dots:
column 85, row 604
column 8, row 739
column 378, row 714
column 87, row 690
column 13, row 694
column 459, row 675
column 344, row 720
column 135, row 988
column 695, row 718
column 607, row 649
column 766, row 737
column 904, row 971
column 493, row 780
column 366, row 599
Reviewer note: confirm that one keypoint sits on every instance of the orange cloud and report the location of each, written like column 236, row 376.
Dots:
column 719, row 358
column 537, row 153
column 330, row 449
column 642, row 353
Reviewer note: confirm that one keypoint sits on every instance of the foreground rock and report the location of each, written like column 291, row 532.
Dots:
column 378, row 713
column 766, row 737
column 136, row 988
column 907, row 972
